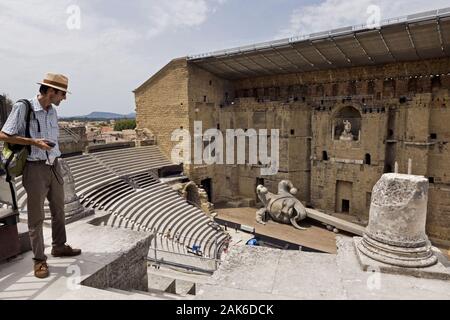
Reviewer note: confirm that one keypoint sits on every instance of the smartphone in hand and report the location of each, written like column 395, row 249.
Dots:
column 50, row 144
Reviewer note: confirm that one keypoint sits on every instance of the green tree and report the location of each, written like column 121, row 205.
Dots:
column 8, row 102
column 125, row 124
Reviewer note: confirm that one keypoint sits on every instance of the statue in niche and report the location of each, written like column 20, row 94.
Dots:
column 347, row 133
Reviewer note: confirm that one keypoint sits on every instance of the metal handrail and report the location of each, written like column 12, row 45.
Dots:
column 180, row 265
column 183, row 254
column 215, row 258
column 352, row 97
column 183, row 238
column 76, row 136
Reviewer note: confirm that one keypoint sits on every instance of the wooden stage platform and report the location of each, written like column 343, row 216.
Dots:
column 316, row 236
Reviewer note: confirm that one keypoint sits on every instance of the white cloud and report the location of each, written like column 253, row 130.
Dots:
column 332, row 14
column 105, row 59
column 178, row 13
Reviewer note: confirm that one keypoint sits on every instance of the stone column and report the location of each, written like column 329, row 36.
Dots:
column 72, row 206
column 396, row 231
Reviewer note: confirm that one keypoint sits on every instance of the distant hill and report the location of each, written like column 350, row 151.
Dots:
column 104, row 116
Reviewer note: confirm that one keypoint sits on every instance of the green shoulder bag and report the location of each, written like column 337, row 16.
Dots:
column 14, row 156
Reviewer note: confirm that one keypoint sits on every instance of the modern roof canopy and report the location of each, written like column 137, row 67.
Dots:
column 419, row 36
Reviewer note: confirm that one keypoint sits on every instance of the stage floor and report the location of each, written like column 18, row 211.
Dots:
column 316, row 236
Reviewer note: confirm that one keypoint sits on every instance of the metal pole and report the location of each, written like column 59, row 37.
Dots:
column 156, row 243
column 216, row 254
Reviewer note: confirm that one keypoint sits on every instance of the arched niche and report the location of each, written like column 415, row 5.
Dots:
column 346, row 124
column 371, row 87
column 191, row 194
column 320, row 91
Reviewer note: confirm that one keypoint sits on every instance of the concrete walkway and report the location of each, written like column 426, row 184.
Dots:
column 101, row 246
column 247, row 272
column 263, row 273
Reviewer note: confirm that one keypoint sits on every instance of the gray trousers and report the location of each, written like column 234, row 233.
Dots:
column 40, row 182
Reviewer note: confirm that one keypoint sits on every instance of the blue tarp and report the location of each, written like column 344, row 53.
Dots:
column 252, row 242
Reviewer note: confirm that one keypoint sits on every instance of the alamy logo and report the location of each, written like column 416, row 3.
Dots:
column 209, row 147
column 73, row 281
column 74, row 20
column 374, row 19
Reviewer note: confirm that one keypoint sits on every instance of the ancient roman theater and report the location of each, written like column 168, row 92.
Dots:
column 362, row 180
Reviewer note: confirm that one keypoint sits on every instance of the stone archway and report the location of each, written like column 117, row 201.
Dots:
column 191, row 193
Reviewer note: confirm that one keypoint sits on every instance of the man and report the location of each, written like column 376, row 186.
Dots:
column 42, row 175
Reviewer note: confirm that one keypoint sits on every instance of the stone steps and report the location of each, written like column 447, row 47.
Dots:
column 180, row 275
column 168, row 284
column 121, row 182
column 136, row 294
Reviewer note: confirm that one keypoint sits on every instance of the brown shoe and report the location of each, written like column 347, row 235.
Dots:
column 41, row 269
column 65, row 251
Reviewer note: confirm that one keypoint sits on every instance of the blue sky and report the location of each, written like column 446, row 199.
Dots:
column 121, row 44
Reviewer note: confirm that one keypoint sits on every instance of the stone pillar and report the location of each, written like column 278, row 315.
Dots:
column 396, row 231
column 72, row 206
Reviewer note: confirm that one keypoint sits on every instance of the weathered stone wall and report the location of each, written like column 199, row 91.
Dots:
column 375, row 80
column 293, row 122
column 401, row 113
column 128, row 272
column 162, row 103
column 335, row 160
column 208, row 94
column 404, row 115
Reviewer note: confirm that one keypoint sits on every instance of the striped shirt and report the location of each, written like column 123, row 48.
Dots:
column 48, row 122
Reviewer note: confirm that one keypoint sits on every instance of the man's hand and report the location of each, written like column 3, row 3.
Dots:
column 41, row 143
column 14, row 139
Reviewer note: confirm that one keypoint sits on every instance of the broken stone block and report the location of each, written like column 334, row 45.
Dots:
column 396, row 231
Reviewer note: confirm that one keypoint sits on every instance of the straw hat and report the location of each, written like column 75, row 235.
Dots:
column 56, row 81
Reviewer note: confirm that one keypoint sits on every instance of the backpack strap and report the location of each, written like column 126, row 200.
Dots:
column 13, row 192
column 8, row 161
column 10, row 182
column 29, row 110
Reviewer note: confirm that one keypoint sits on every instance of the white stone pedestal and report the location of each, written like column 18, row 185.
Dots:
column 436, row 271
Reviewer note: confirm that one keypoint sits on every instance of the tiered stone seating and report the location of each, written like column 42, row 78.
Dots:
column 122, row 183
column 133, row 160
column 158, row 208
column 88, row 173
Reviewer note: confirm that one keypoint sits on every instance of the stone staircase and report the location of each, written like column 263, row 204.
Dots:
column 140, row 295
column 123, row 183
column 176, row 281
